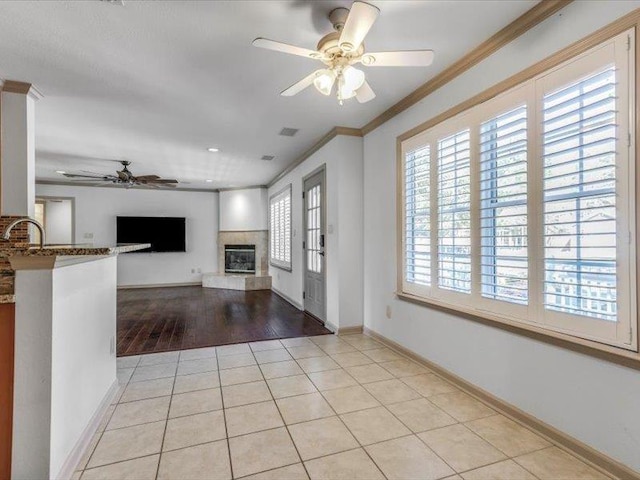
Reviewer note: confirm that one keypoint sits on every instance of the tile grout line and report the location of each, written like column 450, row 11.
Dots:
column 115, row 406
column 224, row 414
column 284, row 423
column 410, row 434
column 357, row 448
column 498, row 412
column 373, row 362
column 361, row 447
column 166, row 421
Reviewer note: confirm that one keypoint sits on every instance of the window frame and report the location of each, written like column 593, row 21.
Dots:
column 276, row 262
column 527, row 319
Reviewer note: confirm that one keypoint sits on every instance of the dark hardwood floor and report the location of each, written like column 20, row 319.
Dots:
column 176, row 318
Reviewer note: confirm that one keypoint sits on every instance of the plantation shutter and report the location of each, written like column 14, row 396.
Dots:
column 503, row 207
column 417, row 251
column 280, row 228
column 579, row 143
column 454, row 215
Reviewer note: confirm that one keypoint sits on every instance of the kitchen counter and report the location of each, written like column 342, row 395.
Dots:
column 65, row 353
column 80, row 249
column 30, row 256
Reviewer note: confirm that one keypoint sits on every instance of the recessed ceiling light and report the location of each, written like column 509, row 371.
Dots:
column 208, row 181
column 61, row 172
column 213, row 149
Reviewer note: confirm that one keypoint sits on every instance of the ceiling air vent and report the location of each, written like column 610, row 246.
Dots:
column 288, row 132
column 267, row 157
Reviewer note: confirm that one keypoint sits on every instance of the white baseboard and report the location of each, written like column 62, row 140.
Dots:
column 330, row 326
column 70, row 464
column 287, row 298
column 158, row 285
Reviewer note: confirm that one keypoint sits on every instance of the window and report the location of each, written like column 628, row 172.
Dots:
column 418, row 216
column 503, row 207
column 280, row 229
column 522, row 208
column 454, row 201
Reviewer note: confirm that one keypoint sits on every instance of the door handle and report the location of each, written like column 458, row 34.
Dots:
column 321, row 253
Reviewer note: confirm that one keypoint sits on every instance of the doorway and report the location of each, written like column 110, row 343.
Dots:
column 314, row 245
column 57, row 215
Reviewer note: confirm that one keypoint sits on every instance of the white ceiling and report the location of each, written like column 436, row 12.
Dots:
column 157, row 82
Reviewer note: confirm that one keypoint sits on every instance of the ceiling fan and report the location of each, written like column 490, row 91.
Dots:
column 125, row 178
column 342, row 49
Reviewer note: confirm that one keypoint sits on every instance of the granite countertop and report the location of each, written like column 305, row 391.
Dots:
column 69, row 250
column 17, row 251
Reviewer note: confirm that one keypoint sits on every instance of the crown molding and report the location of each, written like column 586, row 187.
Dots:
column 251, row 187
column 177, row 189
column 22, row 88
column 525, row 22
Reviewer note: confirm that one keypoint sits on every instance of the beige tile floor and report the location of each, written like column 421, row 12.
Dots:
column 322, row 407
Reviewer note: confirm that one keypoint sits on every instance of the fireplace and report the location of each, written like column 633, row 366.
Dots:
column 240, row 259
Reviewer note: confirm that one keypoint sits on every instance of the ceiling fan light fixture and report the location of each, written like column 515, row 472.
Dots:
column 213, row 149
column 324, row 81
column 351, row 80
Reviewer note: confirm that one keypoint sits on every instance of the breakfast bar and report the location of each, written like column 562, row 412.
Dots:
column 65, row 352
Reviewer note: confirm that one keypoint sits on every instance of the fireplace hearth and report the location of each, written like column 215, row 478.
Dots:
column 240, row 259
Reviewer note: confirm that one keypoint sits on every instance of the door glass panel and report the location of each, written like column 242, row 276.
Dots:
column 314, row 261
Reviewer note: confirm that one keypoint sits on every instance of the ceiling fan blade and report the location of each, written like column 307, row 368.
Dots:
column 407, row 58
column 159, row 180
column 285, row 48
column 299, row 86
column 365, row 93
column 148, row 177
column 94, row 177
column 360, row 20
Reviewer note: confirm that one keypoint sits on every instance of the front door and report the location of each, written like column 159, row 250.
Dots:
column 313, row 246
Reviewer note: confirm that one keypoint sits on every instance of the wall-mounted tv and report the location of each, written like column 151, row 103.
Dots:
column 165, row 234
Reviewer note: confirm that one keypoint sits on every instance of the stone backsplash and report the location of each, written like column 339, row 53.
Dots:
column 19, row 235
column 259, row 238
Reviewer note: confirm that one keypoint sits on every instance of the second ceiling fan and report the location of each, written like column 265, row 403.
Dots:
column 342, row 49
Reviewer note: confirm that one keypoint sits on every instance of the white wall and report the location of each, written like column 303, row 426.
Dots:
column 242, row 210
column 96, row 212
column 342, row 157
column 64, row 365
column 18, row 175
column 590, row 399
column 58, row 219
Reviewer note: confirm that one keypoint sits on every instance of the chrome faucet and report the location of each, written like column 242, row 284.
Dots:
column 7, row 231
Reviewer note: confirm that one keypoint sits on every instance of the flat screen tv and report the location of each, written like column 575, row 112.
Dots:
column 165, row 234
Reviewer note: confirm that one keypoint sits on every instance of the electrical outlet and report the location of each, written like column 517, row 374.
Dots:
column 193, row 270
column 388, row 311
column 88, row 235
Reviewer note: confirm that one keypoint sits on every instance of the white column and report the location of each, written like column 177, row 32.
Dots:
column 65, row 360
column 18, row 154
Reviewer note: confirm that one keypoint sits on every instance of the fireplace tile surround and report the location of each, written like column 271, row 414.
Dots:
column 241, row 281
column 259, row 238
